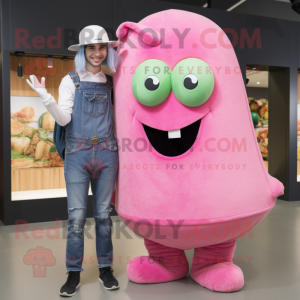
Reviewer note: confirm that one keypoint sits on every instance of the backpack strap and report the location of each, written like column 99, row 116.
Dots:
column 76, row 79
column 59, row 139
column 109, row 82
column 60, row 131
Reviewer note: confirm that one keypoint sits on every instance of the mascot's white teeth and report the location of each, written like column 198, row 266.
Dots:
column 174, row 134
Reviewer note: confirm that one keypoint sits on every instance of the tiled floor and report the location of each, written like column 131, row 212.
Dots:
column 273, row 271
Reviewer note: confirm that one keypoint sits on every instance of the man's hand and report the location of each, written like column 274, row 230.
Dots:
column 37, row 86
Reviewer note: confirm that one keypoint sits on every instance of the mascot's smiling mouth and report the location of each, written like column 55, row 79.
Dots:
column 161, row 142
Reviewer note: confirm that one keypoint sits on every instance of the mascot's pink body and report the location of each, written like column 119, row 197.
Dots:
column 208, row 196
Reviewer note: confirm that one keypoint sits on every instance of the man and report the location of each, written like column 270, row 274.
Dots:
column 85, row 106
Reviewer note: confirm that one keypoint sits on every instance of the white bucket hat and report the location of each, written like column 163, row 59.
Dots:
column 93, row 34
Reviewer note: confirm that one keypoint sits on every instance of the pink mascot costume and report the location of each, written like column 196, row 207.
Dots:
column 191, row 175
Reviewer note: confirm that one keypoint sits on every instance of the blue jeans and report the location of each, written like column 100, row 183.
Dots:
column 85, row 162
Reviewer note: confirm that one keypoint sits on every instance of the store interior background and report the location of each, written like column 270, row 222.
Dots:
column 257, row 88
column 30, row 183
column 274, row 270
column 279, row 29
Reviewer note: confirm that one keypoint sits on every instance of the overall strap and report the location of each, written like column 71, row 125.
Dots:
column 75, row 77
column 109, row 85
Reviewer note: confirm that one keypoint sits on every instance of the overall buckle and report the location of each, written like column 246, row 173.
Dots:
column 77, row 85
column 94, row 140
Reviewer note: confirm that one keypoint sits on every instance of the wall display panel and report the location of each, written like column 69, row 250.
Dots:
column 37, row 170
column 281, row 9
column 276, row 42
column 298, row 44
column 257, row 92
column 54, row 27
column 298, row 129
column 269, row 38
column 279, row 118
column 268, row 91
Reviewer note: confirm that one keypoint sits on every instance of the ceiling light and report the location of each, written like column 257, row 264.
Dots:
column 235, row 5
column 19, row 54
column 258, row 82
column 50, row 61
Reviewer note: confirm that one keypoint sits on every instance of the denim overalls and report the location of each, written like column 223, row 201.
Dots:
column 90, row 155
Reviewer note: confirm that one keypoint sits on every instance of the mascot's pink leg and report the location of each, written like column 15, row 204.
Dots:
column 213, row 268
column 163, row 264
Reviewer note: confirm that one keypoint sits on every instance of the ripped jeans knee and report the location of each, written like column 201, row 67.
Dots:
column 76, row 220
column 103, row 224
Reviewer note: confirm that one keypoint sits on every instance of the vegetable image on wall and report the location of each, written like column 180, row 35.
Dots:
column 31, row 144
column 260, row 118
column 261, row 109
column 262, row 139
column 46, row 121
column 298, row 137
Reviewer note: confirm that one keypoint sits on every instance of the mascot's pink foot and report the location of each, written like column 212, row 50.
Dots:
column 213, row 268
column 163, row 264
column 222, row 277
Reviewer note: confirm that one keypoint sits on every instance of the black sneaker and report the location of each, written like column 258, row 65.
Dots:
column 72, row 283
column 108, row 279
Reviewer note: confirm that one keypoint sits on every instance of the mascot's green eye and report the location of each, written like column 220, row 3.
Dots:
column 151, row 82
column 192, row 81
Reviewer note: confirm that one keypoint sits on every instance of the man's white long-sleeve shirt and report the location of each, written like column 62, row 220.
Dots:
column 62, row 111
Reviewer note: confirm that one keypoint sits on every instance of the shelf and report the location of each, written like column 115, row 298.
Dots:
column 40, row 194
